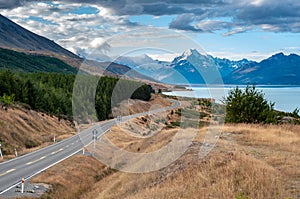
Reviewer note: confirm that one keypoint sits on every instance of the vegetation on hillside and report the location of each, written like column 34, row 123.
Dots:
column 52, row 92
column 23, row 62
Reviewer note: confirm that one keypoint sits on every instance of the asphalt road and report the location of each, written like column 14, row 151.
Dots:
column 31, row 164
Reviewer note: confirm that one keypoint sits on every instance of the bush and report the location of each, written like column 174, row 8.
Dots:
column 7, row 99
column 30, row 143
column 248, row 106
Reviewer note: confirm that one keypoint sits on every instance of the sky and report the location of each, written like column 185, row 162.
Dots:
column 233, row 29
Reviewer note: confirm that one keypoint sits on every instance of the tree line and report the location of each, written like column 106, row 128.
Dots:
column 52, row 93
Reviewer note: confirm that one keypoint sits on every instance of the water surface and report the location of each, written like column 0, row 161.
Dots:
column 286, row 98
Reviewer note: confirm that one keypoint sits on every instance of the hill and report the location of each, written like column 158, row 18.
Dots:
column 27, row 130
column 14, row 36
column 249, row 161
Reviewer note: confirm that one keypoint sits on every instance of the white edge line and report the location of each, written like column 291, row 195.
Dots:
column 57, row 143
column 27, row 178
column 21, row 156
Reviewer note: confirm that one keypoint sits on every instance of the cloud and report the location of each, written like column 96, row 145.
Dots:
column 192, row 15
column 183, row 22
column 273, row 16
column 5, row 4
column 80, row 33
column 90, row 33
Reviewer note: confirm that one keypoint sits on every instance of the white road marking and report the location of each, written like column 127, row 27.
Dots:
column 36, row 160
column 57, row 151
column 11, row 170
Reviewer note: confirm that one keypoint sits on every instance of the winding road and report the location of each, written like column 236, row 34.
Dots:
column 31, row 164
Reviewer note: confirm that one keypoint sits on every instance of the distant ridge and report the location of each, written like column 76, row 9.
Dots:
column 279, row 69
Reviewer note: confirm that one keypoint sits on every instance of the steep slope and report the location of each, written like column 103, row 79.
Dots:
column 14, row 36
column 25, row 129
column 279, row 69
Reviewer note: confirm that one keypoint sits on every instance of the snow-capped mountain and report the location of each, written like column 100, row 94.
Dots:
column 201, row 69
column 190, row 67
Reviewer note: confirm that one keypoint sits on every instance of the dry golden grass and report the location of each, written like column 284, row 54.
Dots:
column 234, row 168
column 276, row 145
column 128, row 107
column 73, row 177
column 124, row 140
column 238, row 166
column 20, row 127
column 220, row 176
column 249, row 161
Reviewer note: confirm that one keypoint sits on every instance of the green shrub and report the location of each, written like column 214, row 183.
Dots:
column 248, row 106
column 7, row 99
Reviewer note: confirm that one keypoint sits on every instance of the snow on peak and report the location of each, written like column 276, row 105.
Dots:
column 190, row 52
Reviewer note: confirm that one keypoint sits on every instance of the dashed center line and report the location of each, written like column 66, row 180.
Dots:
column 57, row 151
column 36, row 160
column 11, row 170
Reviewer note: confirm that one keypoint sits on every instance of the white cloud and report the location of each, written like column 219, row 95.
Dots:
column 57, row 22
column 254, row 56
column 168, row 57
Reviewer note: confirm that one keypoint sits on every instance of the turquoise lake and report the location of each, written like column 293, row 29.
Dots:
column 286, row 98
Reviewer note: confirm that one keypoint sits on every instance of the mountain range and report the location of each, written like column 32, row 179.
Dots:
column 190, row 67
column 278, row 69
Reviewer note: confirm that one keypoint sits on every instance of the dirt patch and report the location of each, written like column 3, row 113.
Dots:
column 131, row 106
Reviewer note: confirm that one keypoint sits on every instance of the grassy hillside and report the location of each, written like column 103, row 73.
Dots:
column 19, row 61
column 27, row 130
column 249, row 161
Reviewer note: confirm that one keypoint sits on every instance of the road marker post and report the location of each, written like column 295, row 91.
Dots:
column 83, row 150
column 1, row 152
column 54, row 140
column 22, row 185
column 16, row 152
